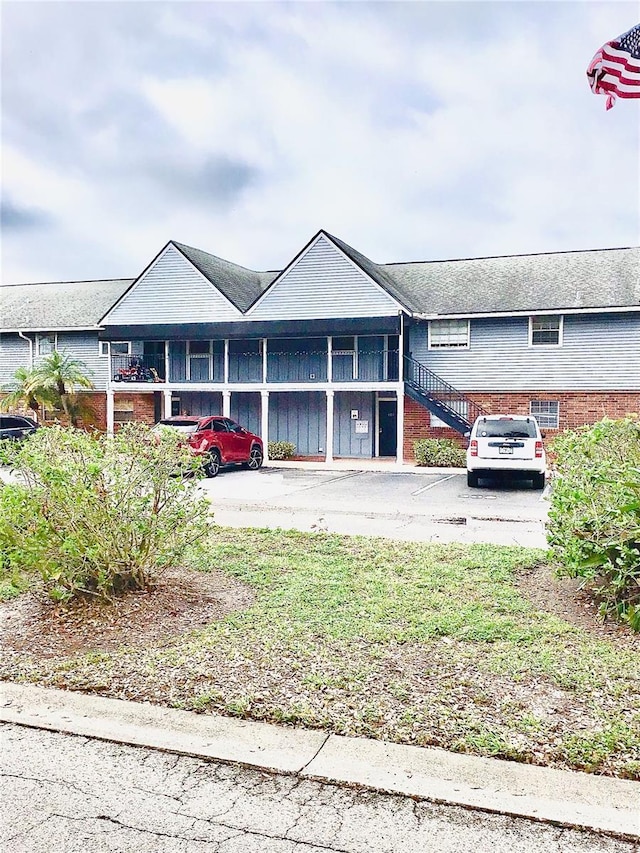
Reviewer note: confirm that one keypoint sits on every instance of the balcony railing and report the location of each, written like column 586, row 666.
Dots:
column 282, row 367
column 137, row 368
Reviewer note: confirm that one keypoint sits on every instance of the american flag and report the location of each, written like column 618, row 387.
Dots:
column 615, row 69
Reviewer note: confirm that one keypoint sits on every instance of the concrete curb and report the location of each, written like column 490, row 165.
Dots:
column 597, row 803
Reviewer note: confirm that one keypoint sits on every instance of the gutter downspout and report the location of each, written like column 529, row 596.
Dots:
column 30, row 342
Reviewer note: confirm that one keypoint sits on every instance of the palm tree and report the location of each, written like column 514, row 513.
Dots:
column 57, row 378
column 23, row 391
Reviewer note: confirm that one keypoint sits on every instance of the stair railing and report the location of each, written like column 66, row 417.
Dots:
column 440, row 392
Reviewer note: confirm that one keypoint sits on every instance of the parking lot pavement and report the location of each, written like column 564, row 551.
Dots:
column 426, row 506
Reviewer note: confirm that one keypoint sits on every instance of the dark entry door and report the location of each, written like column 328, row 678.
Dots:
column 387, row 428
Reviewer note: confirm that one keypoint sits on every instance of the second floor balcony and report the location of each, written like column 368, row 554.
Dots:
column 279, row 364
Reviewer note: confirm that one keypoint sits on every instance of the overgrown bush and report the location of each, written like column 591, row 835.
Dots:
column 98, row 515
column 281, row 450
column 594, row 519
column 439, row 453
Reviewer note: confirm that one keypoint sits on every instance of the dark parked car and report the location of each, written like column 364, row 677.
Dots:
column 16, row 427
column 218, row 440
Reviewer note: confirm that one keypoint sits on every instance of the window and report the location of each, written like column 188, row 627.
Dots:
column 46, row 344
column 545, row 331
column 343, row 355
column 117, row 347
column 461, row 407
column 546, row 412
column 122, row 411
column 199, row 363
column 448, row 334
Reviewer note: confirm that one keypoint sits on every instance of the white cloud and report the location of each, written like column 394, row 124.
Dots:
column 412, row 131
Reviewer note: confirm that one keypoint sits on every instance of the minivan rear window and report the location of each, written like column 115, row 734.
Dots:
column 506, row 429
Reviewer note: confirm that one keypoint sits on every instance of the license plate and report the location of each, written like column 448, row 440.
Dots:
column 506, row 450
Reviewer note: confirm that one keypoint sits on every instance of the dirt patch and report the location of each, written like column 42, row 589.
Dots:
column 182, row 601
column 563, row 598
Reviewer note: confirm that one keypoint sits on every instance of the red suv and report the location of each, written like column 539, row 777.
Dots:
column 219, row 441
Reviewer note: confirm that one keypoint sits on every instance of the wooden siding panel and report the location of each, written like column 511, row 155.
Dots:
column 323, row 284
column 599, row 352
column 172, row 291
column 346, row 442
column 200, row 404
column 300, row 417
column 245, row 409
column 14, row 353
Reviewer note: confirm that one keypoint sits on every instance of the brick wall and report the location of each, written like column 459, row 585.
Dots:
column 576, row 409
column 143, row 407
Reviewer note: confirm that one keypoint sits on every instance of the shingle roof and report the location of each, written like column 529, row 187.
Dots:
column 58, row 305
column 596, row 278
column 239, row 284
column 377, row 272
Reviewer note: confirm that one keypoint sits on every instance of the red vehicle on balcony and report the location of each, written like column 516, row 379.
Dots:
column 218, row 440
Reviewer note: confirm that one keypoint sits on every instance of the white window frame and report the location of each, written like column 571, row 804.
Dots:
column 202, row 355
column 437, row 346
column 52, row 336
column 105, row 348
column 117, row 409
column 558, row 317
column 352, row 352
column 539, row 415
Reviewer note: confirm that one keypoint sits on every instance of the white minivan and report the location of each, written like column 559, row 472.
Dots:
column 506, row 443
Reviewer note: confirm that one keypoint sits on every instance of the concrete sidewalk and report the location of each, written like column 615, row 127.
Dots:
column 597, row 803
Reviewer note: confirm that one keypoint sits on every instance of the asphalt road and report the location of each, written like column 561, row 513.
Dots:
column 78, row 795
column 397, row 504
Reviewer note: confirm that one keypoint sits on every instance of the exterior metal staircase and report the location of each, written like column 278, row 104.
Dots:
column 437, row 396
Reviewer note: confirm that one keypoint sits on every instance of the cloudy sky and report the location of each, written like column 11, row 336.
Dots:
column 412, row 130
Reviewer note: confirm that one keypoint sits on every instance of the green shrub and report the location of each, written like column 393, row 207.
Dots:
column 281, row 449
column 594, row 519
column 439, row 453
column 99, row 515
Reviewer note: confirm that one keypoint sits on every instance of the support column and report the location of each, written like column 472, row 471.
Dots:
column 400, row 426
column 166, row 404
column 226, row 361
column 329, row 455
column 264, row 361
column 110, row 410
column 264, row 428
column 226, row 404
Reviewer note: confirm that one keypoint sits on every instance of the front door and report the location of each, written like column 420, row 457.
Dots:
column 387, row 428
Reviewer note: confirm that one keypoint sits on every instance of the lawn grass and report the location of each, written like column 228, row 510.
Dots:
column 407, row 642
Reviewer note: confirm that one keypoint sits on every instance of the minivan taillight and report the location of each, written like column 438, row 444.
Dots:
column 538, row 450
column 473, row 448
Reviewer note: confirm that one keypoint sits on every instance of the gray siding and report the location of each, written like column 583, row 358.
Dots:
column 300, row 417
column 172, row 291
column 599, row 352
column 245, row 409
column 199, row 403
column 323, row 283
column 84, row 346
column 346, row 442
column 14, row 353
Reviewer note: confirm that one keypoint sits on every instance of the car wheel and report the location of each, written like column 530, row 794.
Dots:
column 255, row 458
column 212, row 465
column 472, row 479
column 538, row 481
